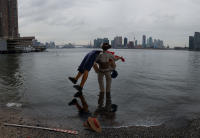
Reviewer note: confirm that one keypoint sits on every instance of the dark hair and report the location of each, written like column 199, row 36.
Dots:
column 105, row 46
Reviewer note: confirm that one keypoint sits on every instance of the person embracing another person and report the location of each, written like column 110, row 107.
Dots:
column 105, row 64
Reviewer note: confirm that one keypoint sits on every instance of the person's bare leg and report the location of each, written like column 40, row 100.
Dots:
column 84, row 78
column 78, row 75
column 84, row 103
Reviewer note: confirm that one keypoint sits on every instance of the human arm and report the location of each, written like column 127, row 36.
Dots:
column 118, row 57
column 95, row 67
column 115, row 57
column 112, row 64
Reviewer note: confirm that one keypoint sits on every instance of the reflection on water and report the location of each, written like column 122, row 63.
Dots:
column 153, row 86
column 11, row 78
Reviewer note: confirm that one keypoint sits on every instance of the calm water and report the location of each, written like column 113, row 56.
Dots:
column 153, row 86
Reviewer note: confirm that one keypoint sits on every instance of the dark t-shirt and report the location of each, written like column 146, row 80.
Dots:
column 88, row 61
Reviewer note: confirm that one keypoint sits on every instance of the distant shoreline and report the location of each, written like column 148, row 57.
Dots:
column 183, row 49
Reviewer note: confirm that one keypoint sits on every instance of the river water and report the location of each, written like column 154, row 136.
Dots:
column 153, row 86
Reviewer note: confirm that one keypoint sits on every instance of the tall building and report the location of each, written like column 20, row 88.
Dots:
column 191, row 42
column 158, row 43
column 150, row 42
column 117, row 42
column 144, row 41
column 99, row 41
column 194, row 41
column 136, row 43
column 147, row 45
column 125, row 41
column 131, row 44
column 112, row 43
column 9, row 19
column 197, row 41
column 106, row 40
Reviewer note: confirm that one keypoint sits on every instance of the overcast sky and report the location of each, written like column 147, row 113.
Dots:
column 79, row 21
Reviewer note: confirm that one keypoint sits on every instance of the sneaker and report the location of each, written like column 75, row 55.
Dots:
column 72, row 80
column 73, row 102
column 114, row 108
column 79, row 88
column 78, row 94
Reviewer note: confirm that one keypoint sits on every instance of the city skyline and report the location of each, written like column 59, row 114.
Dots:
column 124, row 42
column 82, row 21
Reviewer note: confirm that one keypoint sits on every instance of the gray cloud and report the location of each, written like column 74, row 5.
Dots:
column 80, row 21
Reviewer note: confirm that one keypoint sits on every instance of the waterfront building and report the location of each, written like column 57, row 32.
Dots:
column 51, row 45
column 150, row 42
column 9, row 31
column 136, row 43
column 106, row 40
column 112, row 43
column 194, row 41
column 36, row 43
column 147, row 45
column 158, row 43
column 144, row 41
column 125, row 42
column 117, row 42
column 131, row 44
column 155, row 44
column 191, row 42
column 99, row 41
column 197, row 41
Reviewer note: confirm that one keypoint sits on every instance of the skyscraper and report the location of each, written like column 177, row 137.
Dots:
column 158, row 43
column 191, row 42
column 131, row 44
column 117, row 41
column 194, row 41
column 144, row 41
column 99, row 41
column 125, row 41
column 136, row 43
column 150, row 42
column 197, row 41
column 9, row 19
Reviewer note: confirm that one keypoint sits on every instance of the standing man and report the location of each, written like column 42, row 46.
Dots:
column 106, row 62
